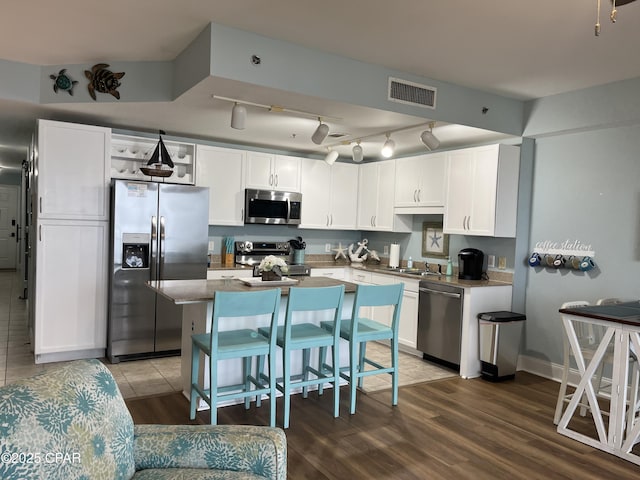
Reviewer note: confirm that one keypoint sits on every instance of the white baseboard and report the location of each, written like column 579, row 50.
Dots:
column 546, row 369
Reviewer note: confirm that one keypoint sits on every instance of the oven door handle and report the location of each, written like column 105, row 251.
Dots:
column 437, row 292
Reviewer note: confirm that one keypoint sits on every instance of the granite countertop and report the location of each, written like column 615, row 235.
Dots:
column 196, row 291
column 496, row 278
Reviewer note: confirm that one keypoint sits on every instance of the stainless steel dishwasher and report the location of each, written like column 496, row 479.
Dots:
column 440, row 323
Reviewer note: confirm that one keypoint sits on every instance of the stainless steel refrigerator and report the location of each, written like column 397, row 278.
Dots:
column 158, row 232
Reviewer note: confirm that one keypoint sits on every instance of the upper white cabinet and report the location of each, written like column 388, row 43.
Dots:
column 130, row 153
column 272, row 172
column 482, row 191
column 329, row 196
column 376, row 184
column 72, row 168
column 420, row 184
column 222, row 170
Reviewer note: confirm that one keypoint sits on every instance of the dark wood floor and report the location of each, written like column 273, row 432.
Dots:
column 449, row 429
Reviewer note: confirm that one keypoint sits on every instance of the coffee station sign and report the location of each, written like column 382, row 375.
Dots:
column 573, row 254
column 566, row 247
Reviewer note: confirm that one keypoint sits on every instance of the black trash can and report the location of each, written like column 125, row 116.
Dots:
column 500, row 336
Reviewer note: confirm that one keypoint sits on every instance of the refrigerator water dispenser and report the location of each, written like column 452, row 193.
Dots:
column 135, row 250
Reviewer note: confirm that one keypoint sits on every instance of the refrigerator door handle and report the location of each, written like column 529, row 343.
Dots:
column 161, row 249
column 152, row 253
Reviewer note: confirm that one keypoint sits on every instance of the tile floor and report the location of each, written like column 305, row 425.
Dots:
column 153, row 376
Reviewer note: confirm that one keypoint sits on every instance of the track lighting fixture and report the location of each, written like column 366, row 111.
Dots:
column 321, row 133
column 238, row 116
column 388, row 148
column 429, row 139
column 613, row 15
column 357, row 153
column 331, row 157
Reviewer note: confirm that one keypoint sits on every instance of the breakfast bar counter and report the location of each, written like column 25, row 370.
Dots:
column 196, row 298
column 198, row 291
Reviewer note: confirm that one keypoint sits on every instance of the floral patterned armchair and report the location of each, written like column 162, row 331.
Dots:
column 70, row 422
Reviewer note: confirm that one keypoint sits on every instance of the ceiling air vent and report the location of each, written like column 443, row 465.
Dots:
column 411, row 93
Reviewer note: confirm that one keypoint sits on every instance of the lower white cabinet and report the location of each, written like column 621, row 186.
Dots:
column 221, row 274
column 71, row 290
column 337, row 272
column 408, row 329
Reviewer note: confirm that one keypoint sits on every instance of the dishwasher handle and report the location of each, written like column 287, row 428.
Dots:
column 439, row 292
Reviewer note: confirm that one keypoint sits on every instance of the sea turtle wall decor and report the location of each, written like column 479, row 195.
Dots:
column 63, row 82
column 103, row 80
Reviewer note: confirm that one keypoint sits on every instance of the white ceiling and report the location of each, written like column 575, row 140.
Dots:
column 518, row 49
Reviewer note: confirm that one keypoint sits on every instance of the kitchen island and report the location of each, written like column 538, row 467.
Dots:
column 196, row 298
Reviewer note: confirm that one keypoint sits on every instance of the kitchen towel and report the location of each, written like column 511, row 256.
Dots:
column 394, row 255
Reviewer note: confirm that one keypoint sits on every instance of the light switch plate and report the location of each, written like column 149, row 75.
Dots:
column 211, row 245
column 491, row 261
column 502, row 263
column 386, row 250
column 327, row 248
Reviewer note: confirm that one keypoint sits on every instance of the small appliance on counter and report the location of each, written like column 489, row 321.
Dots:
column 470, row 264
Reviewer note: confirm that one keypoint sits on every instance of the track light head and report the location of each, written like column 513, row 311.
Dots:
column 321, row 133
column 388, row 148
column 357, row 153
column 238, row 116
column 429, row 139
column 331, row 157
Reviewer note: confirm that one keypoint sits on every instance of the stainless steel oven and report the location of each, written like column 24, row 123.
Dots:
column 440, row 323
column 251, row 253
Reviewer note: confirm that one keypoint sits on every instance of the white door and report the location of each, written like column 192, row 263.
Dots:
column 8, row 225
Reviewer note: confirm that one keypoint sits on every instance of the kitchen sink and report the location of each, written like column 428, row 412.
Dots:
column 412, row 271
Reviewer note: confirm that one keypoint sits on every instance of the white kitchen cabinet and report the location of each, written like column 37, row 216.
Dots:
column 376, row 184
column 129, row 153
column 478, row 300
column 408, row 328
column 272, row 172
column 329, row 197
column 222, row 170
column 482, row 191
column 71, row 290
column 72, row 165
column 337, row 272
column 235, row 273
column 420, row 184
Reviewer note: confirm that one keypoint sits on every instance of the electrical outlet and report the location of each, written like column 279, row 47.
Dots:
column 502, row 263
column 211, row 245
column 386, row 250
column 491, row 261
column 327, row 248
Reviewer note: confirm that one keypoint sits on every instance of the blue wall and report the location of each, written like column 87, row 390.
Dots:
column 586, row 188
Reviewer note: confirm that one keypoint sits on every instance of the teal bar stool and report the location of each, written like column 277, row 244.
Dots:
column 298, row 334
column 359, row 330
column 243, row 344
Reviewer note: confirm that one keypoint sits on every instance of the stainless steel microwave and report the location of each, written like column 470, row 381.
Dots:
column 273, row 207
